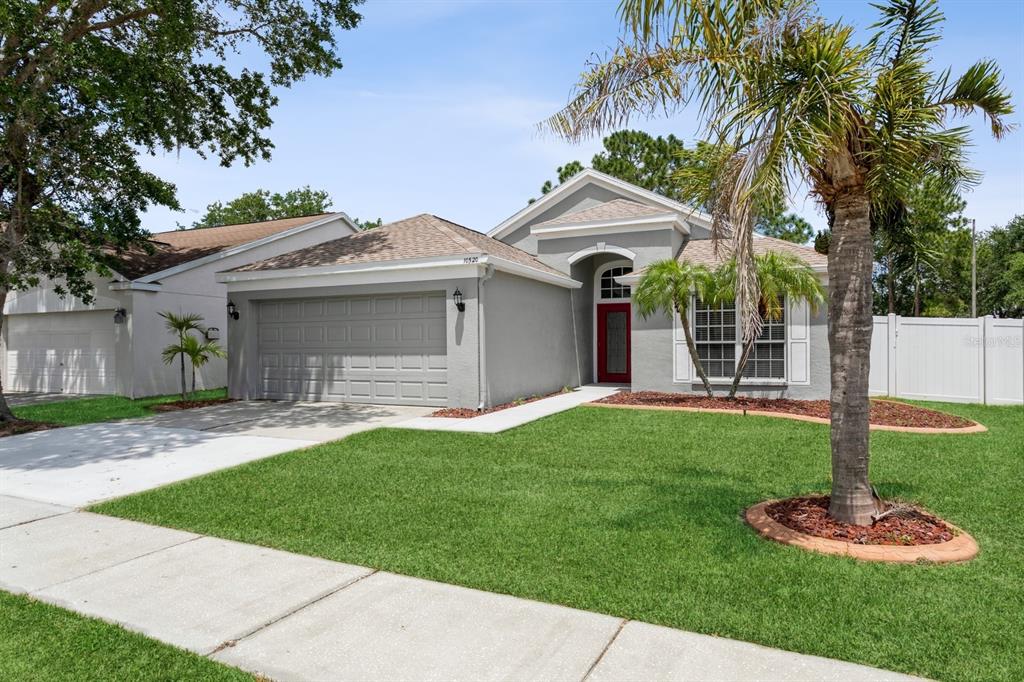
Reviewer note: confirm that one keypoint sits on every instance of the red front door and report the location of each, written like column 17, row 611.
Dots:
column 613, row 343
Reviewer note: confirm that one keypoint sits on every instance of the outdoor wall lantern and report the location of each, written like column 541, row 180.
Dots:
column 120, row 315
column 457, row 297
column 232, row 310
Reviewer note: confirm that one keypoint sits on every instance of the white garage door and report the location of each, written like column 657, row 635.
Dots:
column 370, row 349
column 61, row 352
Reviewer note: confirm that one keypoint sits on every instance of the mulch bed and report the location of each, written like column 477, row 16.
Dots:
column 20, row 426
column 810, row 515
column 188, row 404
column 883, row 412
column 468, row 413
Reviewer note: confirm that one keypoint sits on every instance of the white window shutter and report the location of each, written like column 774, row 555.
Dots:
column 682, row 366
column 798, row 342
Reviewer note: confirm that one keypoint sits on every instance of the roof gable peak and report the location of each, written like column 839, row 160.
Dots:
column 589, row 176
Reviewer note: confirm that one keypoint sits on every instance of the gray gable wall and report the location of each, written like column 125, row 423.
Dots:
column 587, row 196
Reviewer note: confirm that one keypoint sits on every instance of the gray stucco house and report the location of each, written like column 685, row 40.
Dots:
column 112, row 345
column 424, row 311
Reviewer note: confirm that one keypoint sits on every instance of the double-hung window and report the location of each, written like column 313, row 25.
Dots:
column 719, row 340
column 768, row 356
column 714, row 333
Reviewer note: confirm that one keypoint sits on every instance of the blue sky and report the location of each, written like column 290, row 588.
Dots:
column 434, row 111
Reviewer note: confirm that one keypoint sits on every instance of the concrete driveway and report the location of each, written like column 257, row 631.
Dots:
column 80, row 465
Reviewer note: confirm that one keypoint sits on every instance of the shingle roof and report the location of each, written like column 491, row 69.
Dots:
column 702, row 251
column 168, row 249
column 616, row 209
column 420, row 236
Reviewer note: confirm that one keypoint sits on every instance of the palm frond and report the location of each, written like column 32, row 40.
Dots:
column 905, row 29
column 171, row 353
column 667, row 285
column 182, row 322
column 634, row 80
column 980, row 88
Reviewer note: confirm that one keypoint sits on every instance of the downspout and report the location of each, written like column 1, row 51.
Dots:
column 575, row 338
column 481, row 335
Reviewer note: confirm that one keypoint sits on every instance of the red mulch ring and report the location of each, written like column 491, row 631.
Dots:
column 188, row 404
column 19, row 426
column 883, row 412
column 467, row 413
column 911, row 526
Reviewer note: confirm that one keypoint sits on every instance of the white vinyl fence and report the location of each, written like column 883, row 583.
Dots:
column 970, row 360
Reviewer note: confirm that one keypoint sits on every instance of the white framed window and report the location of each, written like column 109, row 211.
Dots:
column 768, row 356
column 609, row 289
column 715, row 334
column 718, row 336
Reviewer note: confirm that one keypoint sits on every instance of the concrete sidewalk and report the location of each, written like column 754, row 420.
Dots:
column 503, row 420
column 295, row 617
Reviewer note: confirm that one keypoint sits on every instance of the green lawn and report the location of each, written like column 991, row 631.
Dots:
column 637, row 514
column 90, row 410
column 46, row 643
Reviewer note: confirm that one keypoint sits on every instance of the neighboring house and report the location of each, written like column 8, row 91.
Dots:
column 113, row 344
column 424, row 311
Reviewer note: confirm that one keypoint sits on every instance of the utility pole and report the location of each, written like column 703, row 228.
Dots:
column 974, row 269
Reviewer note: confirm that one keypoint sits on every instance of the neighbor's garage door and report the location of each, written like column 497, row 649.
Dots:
column 61, row 352
column 369, row 349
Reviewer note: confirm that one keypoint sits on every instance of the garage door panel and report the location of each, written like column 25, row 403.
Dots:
column 389, row 349
column 385, row 332
column 72, row 352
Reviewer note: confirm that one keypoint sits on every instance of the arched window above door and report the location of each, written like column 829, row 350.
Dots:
column 608, row 288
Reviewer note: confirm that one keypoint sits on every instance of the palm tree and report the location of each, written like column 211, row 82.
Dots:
column 199, row 353
column 795, row 98
column 183, row 325
column 779, row 276
column 666, row 286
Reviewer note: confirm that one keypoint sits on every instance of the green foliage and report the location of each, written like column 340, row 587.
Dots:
column 198, row 352
column 642, row 160
column 636, row 157
column 780, row 276
column 254, row 207
column 776, row 85
column 922, row 251
column 555, row 511
column 85, row 87
column 368, row 224
column 667, row 286
column 822, row 240
column 788, row 226
column 1001, row 270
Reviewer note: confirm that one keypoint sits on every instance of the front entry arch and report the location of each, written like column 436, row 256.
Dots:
column 612, row 324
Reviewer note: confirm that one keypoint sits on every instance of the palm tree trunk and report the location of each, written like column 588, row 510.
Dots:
column 181, row 356
column 849, row 338
column 692, row 347
column 744, row 356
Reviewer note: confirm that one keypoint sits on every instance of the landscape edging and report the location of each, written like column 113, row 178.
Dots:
column 974, row 428
column 961, row 548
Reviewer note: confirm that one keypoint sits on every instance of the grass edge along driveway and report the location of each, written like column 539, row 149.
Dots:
column 40, row 641
column 636, row 514
column 78, row 411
